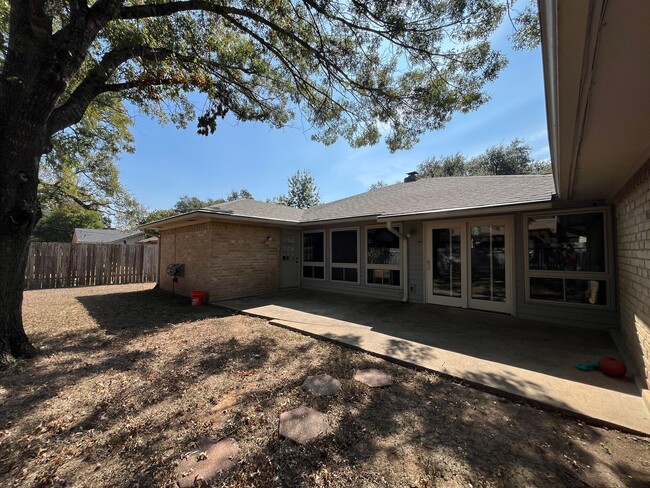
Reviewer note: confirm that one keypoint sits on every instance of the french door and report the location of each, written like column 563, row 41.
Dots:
column 469, row 263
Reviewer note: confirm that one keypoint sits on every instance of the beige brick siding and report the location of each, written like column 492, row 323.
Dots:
column 224, row 260
column 633, row 260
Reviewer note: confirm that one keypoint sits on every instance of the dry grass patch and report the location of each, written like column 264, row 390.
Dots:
column 130, row 378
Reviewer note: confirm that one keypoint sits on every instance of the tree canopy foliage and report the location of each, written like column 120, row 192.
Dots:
column 81, row 167
column 187, row 203
column 302, row 191
column 347, row 67
column 58, row 224
column 512, row 159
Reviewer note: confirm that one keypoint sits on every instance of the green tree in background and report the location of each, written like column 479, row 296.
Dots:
column 236, row 195
column 511, row 159
column 378, row 184
column 302, row 192
column 443, row 166
column 503, row 159
column 188, row 204
column 58, row 224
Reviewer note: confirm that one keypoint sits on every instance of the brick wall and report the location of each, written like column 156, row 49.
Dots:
column 190, row 246
column 224, row 260
column 633, row 260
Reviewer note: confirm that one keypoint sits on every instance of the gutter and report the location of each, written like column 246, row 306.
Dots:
column 548, row 17
column 468, row 211
column 405, row 259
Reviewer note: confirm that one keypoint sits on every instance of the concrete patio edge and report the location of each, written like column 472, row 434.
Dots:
column 473, row 384
column 500, row 392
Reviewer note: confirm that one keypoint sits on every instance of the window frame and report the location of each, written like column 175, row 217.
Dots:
column 607, row 275
column 313, row 263
column 395, row 267
column 333, row 264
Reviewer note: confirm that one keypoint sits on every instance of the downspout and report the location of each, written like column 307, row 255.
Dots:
column 405, row 259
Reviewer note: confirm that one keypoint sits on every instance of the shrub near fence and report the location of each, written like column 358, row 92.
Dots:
column 61, row 265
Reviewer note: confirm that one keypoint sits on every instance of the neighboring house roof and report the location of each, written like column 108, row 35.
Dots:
column 105, row 236
column 90, row 236
column 131, row 236
column 427, row 195
column 247, row 207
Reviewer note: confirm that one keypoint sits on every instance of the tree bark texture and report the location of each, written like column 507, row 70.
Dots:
column 30, row 84
column 19, row 212
column 38, row 67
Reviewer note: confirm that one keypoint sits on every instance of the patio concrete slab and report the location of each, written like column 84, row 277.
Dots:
column 520, row 358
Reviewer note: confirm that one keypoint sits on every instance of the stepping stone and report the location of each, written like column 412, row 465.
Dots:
column 207, row 461
column 373, row 377
column 322, row 385
column 303, row 425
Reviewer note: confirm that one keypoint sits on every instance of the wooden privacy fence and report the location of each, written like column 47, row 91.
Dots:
column 61, row 265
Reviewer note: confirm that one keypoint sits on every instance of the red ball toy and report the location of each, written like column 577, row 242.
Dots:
column 612, row 367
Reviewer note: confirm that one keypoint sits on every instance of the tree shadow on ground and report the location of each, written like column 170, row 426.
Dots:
column 423, row 431
column 138, row 398
column 134, row 313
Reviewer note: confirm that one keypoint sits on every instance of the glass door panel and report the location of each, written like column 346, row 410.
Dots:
column 446, row 253
column 468, row 263
column 488, row 267
column 446, row 272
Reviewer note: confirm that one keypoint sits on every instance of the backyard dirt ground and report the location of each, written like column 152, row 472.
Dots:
column 130, row 378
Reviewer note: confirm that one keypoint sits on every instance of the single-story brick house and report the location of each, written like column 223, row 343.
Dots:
column 497, row 243
column 572, row 248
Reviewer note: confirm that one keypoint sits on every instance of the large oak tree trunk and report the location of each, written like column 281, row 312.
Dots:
column 30, row 84
column 13, row 340
column 20, row 150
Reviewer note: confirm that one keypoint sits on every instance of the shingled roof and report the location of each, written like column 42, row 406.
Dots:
column 432, row 194
column 247, row 207
column 401, row 199
column 90, row 236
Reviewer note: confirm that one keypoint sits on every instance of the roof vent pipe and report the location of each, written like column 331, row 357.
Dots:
column 412, row 176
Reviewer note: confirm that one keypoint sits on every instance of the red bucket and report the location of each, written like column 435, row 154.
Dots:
column 197, row 298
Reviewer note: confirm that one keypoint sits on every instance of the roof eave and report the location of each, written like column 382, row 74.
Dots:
column 469, row 211
column 202, row 216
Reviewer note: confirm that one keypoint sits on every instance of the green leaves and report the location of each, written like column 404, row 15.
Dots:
column 512, row 159
column 302, row 193
column 58, row 224
column 345, row 67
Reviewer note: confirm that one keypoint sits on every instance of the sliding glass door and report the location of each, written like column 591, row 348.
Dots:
column 469, row 264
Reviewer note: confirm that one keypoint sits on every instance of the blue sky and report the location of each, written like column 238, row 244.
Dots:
column 169, row 162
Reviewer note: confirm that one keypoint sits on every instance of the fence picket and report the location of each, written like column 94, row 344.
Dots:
column 61, row 264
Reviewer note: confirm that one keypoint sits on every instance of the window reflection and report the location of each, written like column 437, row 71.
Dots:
column 567, row 242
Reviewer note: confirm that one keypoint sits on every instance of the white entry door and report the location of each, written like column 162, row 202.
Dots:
column 469, row 263
column 290, row 259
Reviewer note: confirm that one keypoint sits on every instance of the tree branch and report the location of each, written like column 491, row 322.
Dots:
column 94, row 84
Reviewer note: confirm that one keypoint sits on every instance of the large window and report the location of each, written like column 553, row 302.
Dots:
column 383, row 257
column 313, row 255
column 567, row 258
column 344, row 254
